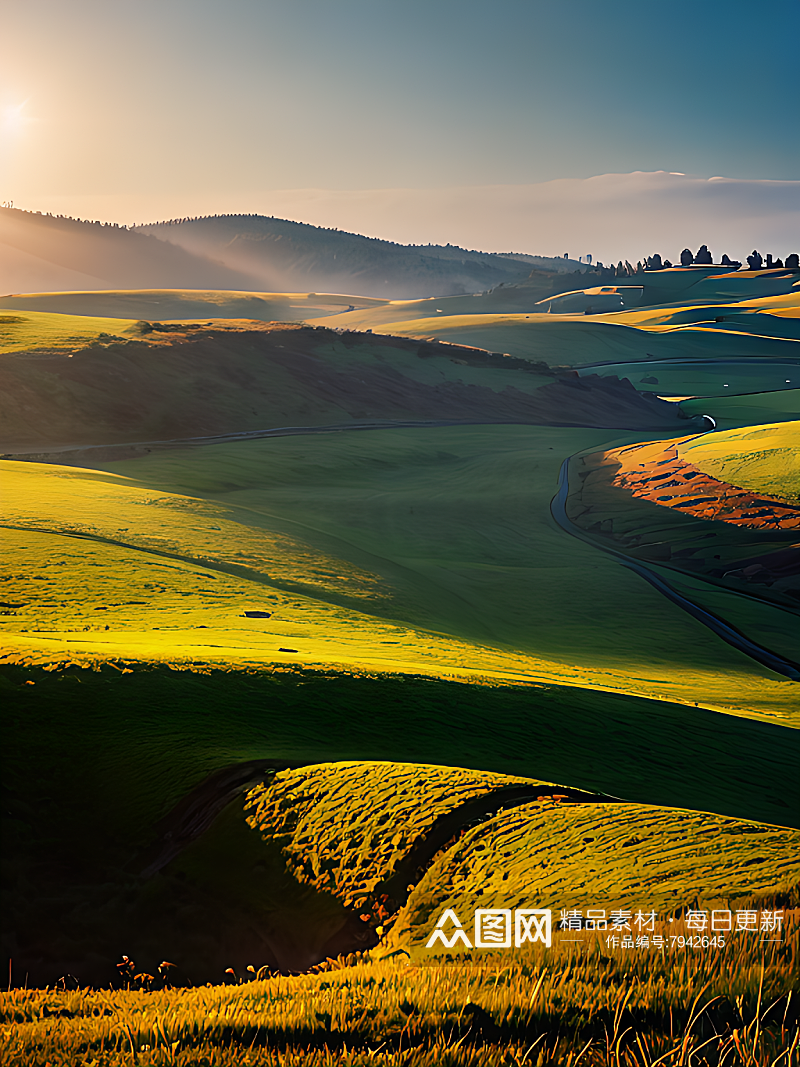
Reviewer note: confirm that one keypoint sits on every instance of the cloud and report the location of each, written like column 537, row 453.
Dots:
column 611, row 216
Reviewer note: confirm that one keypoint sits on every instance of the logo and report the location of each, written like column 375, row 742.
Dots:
column 493, row 928
column 439, row 934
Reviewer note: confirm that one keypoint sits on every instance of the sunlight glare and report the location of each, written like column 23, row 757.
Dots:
column 13, row 120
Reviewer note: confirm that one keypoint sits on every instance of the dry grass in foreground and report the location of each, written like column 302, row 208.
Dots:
column 736, row 1006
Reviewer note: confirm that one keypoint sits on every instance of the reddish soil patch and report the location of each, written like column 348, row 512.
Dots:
column 647, row 504
column 662, row 477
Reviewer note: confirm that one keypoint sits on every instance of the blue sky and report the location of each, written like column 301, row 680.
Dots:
column 216, row 100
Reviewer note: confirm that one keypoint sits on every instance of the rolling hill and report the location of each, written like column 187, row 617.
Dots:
column 291, row 255
column 389, row 587
column 247, row 253
column 78, row 383
column 51, row 252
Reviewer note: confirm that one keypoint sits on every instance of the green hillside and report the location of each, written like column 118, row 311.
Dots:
column 416, row 577
column 369, row 579
column 154, row 382
column 749, row 409
column 349, row 828
column 765, row 459
column 620, row 337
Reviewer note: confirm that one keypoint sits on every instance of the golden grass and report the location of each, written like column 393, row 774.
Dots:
column 607, row 856
column 631, row 1009
column 345, row 826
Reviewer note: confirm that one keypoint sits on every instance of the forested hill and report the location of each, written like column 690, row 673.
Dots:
column 46, row 253
column 283, row 255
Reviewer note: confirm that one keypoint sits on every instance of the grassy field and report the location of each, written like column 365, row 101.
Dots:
column 361, row 558
column 765, row 327
column 609, row 856
column 752, row 409
column 37, row 331
column 361, row 831
column 384, row 638
column 347, row 827
column 765, row 459
column 573, row 341
column 168, row 304
column 651, row 503
column 716, row 379
column 489, row 1011
column 83, row 806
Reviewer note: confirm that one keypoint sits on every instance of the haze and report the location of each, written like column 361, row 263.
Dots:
column 135, row 112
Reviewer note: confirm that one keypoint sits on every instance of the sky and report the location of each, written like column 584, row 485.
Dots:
column 132, row 112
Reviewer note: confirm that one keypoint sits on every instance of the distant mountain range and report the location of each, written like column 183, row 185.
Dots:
column 246, row 253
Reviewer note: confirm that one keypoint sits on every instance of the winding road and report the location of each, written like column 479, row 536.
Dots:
column 787, row 668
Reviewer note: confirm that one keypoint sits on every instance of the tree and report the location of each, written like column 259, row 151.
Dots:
column 654, row 262
column 703, row 255
column 687, row 259
column 755, row 261
column 793, row 261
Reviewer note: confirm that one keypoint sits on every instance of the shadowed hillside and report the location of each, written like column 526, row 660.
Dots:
column 149, row 382
column 39, row 252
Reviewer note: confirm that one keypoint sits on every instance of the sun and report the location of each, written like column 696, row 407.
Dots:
column 12, row 119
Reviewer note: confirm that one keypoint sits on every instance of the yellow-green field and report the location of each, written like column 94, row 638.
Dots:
column 600, row 856
column 724, row 331
column 39, row 331
column 163, row 563
column 360, row 831
column 345, row 827
column 765, row 459
column 576, row 340
column 283, row 698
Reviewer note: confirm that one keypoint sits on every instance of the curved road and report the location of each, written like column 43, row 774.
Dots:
column 558, row 509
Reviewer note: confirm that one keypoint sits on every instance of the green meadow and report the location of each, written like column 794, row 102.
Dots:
column 617, row 337
column 276, row 703
column 36, row 331
column 421, row 550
